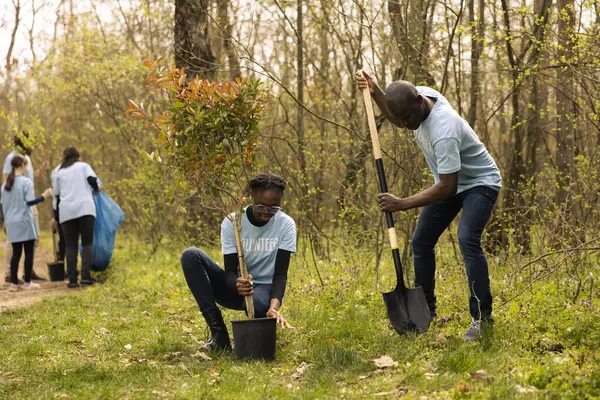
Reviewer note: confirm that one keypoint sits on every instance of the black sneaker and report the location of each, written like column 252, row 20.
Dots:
column 7, row 280
column 88, row 281
column 36, row 277
column 477, row 330
column 72, row 285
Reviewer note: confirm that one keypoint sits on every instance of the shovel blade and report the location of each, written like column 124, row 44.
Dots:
column 407, row 310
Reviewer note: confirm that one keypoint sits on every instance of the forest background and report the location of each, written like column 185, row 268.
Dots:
column 525, row 74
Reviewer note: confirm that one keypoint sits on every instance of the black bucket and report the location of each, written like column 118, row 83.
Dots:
column 56, row 271
column 255, row 338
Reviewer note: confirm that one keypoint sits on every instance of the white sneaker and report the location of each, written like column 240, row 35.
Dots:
column 14, row 288
column 30, row 285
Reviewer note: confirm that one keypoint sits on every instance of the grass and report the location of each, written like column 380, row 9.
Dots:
column 137, row 337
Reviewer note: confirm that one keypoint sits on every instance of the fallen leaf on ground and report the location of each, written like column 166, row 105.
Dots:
column 556, row 347
column 128, row 347
column 384, row 393
column 202, row 355
column 396, row 393
column 385, row 362
column 480, row 375
column 525, row 389
column 301, row 370
column 441, row 338
column 461, row 387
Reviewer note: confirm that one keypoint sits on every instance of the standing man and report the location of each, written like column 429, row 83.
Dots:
column 24, row 150
column 466, row 178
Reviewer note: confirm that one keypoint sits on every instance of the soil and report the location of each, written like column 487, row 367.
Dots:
column 12, row 300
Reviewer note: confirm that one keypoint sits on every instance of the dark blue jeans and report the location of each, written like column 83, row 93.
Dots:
column 206, row 281
column 477, row 204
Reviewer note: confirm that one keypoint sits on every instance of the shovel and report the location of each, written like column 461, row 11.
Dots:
column 407, row 308
column 56, row 270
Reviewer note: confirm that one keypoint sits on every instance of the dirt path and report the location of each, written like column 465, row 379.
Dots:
column 11, row 300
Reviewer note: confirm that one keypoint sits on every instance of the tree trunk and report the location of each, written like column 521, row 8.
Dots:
column 477, row 26
column 565, row 106
column 10, row 61
column 300, row 93
column 410, row 36
column 226, row 34
column 193, row 50
column 538, row 96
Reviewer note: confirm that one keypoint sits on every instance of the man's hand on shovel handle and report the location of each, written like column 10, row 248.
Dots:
column 390, row 203
column 365, row 81
column 245, row 287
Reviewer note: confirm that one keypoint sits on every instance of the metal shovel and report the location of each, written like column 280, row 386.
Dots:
column 407, row 308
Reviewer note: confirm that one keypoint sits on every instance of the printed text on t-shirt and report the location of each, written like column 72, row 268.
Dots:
column 260, row 244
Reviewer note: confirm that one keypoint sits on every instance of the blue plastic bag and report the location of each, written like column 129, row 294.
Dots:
column 109, row 217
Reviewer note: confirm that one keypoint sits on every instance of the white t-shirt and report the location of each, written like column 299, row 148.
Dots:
column 72, row 186
column 450, row 145
column 261, row 243
column 18, row 216
column 8, row 168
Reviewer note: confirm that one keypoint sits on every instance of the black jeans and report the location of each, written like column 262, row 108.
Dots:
column 73, row 228
column 206, row 281
column 477, row 204
column 18, row 247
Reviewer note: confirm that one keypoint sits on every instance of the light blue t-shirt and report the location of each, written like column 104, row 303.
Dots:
column 261, row 243
column 18, row 216
column 450, row 145
column 8, row 168
column 76, row 198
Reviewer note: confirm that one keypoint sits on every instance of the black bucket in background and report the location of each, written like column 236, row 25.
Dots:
column 56, row 271
column 255, row 338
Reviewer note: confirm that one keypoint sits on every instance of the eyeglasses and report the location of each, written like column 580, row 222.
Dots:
column 262, row 209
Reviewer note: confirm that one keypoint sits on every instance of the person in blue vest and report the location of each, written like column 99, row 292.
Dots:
column 77, row 213
column 17, row 202
column 466, row 178
column 269, row 240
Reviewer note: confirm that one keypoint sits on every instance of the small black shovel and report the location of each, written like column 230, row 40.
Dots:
column 407, row 308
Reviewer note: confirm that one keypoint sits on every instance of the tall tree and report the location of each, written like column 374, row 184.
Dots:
column 411, row 31
column 226, row 28
column 565, row 105
column 514, row 200
column 193, row 49
column 477, row 30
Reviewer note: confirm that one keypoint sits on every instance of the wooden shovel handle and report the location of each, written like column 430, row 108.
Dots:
column 378, row 162
column 371, row 120
column 243, row 269
column 54, row 245
column 383, row 185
